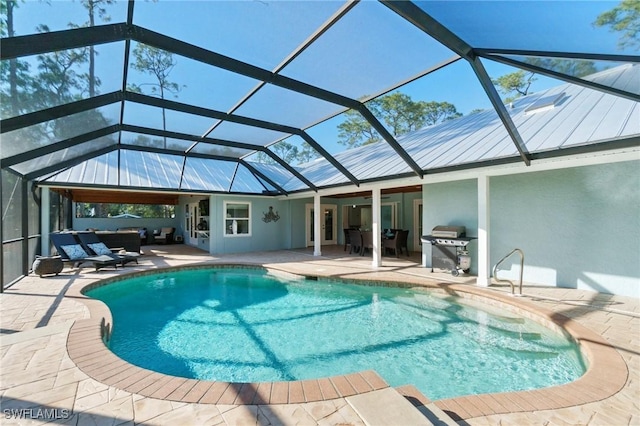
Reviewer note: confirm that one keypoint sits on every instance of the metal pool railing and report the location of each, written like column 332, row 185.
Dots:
column 495, row 270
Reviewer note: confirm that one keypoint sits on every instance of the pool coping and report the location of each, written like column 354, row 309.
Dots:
column 606, row 371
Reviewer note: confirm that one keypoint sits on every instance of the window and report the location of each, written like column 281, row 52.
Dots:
column 237, row 219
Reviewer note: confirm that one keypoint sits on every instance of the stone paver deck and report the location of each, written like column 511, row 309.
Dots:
column 52, row 359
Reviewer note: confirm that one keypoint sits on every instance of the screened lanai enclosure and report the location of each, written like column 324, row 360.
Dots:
column 287, row 98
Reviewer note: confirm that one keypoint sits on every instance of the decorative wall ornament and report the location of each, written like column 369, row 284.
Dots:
column 270, row 216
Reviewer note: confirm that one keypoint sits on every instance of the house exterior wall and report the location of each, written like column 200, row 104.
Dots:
column 451, row 204
column 298, row 216
column 578, row 227
column 264, row 235
column 406, row 217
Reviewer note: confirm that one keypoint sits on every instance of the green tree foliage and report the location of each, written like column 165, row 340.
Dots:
column 355, row 130
column 261, row 157
column 285, row 150
column 6, row 23
column 11, row 204
column 210, row 148
column 15, row 83
column 54, row 78
column 158, row 63
column 572, row 67
column 61, row 77
column 101, row 210
column 95, row 8
column 143, row 140
column 306, row 153
column 399, row 113
column 625, row 19
column 7, row 30
column 438, row 112
column 289, row 152
column 518, row 82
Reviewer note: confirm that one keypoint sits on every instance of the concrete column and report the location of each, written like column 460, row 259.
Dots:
column 375, row 228
column 484, row 262
column 317, row 223
column 45, row 220
column 426, row 247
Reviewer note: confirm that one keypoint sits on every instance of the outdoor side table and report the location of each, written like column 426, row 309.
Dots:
column 47, row 265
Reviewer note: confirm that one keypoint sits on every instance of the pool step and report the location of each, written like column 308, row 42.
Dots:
column 389, row 407
column 512, row 320
column 516, row 334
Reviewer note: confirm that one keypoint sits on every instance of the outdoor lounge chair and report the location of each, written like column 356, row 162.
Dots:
column 71, row 251
column 92, row 244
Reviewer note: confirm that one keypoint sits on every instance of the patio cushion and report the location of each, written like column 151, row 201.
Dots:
column 75, row 251
column 99, row 248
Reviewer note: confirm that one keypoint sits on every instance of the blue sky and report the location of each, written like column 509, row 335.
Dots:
column 371, row 48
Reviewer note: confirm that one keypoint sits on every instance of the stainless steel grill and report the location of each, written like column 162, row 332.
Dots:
column 449, row 249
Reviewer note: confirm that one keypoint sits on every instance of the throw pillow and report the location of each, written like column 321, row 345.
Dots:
column 99, row 248
column 75, row 251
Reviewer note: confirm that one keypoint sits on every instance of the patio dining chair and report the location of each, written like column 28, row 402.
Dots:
column 397, row 242
column 367, row 242
column 347, row 240
column 355, row 239
column 403, row 239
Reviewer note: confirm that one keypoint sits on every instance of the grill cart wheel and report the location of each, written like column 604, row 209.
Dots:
column 455, row 272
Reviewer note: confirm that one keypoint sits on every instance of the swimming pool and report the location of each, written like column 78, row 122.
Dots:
column 247, row 325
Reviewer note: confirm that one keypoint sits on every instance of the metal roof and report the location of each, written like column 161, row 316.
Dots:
column 249, row 75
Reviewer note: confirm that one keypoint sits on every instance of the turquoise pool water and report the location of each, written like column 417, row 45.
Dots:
column 245, row 325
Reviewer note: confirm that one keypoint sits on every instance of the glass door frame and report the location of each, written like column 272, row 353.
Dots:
column 191, row 223
column 394, row 213
column 308, row 225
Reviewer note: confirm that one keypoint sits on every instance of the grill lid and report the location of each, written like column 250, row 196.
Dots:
column 448, row 231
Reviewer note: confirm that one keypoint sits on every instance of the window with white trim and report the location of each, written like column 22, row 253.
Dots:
column 237, row 219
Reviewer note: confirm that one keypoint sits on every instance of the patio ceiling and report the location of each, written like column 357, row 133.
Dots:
column 248, row 76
